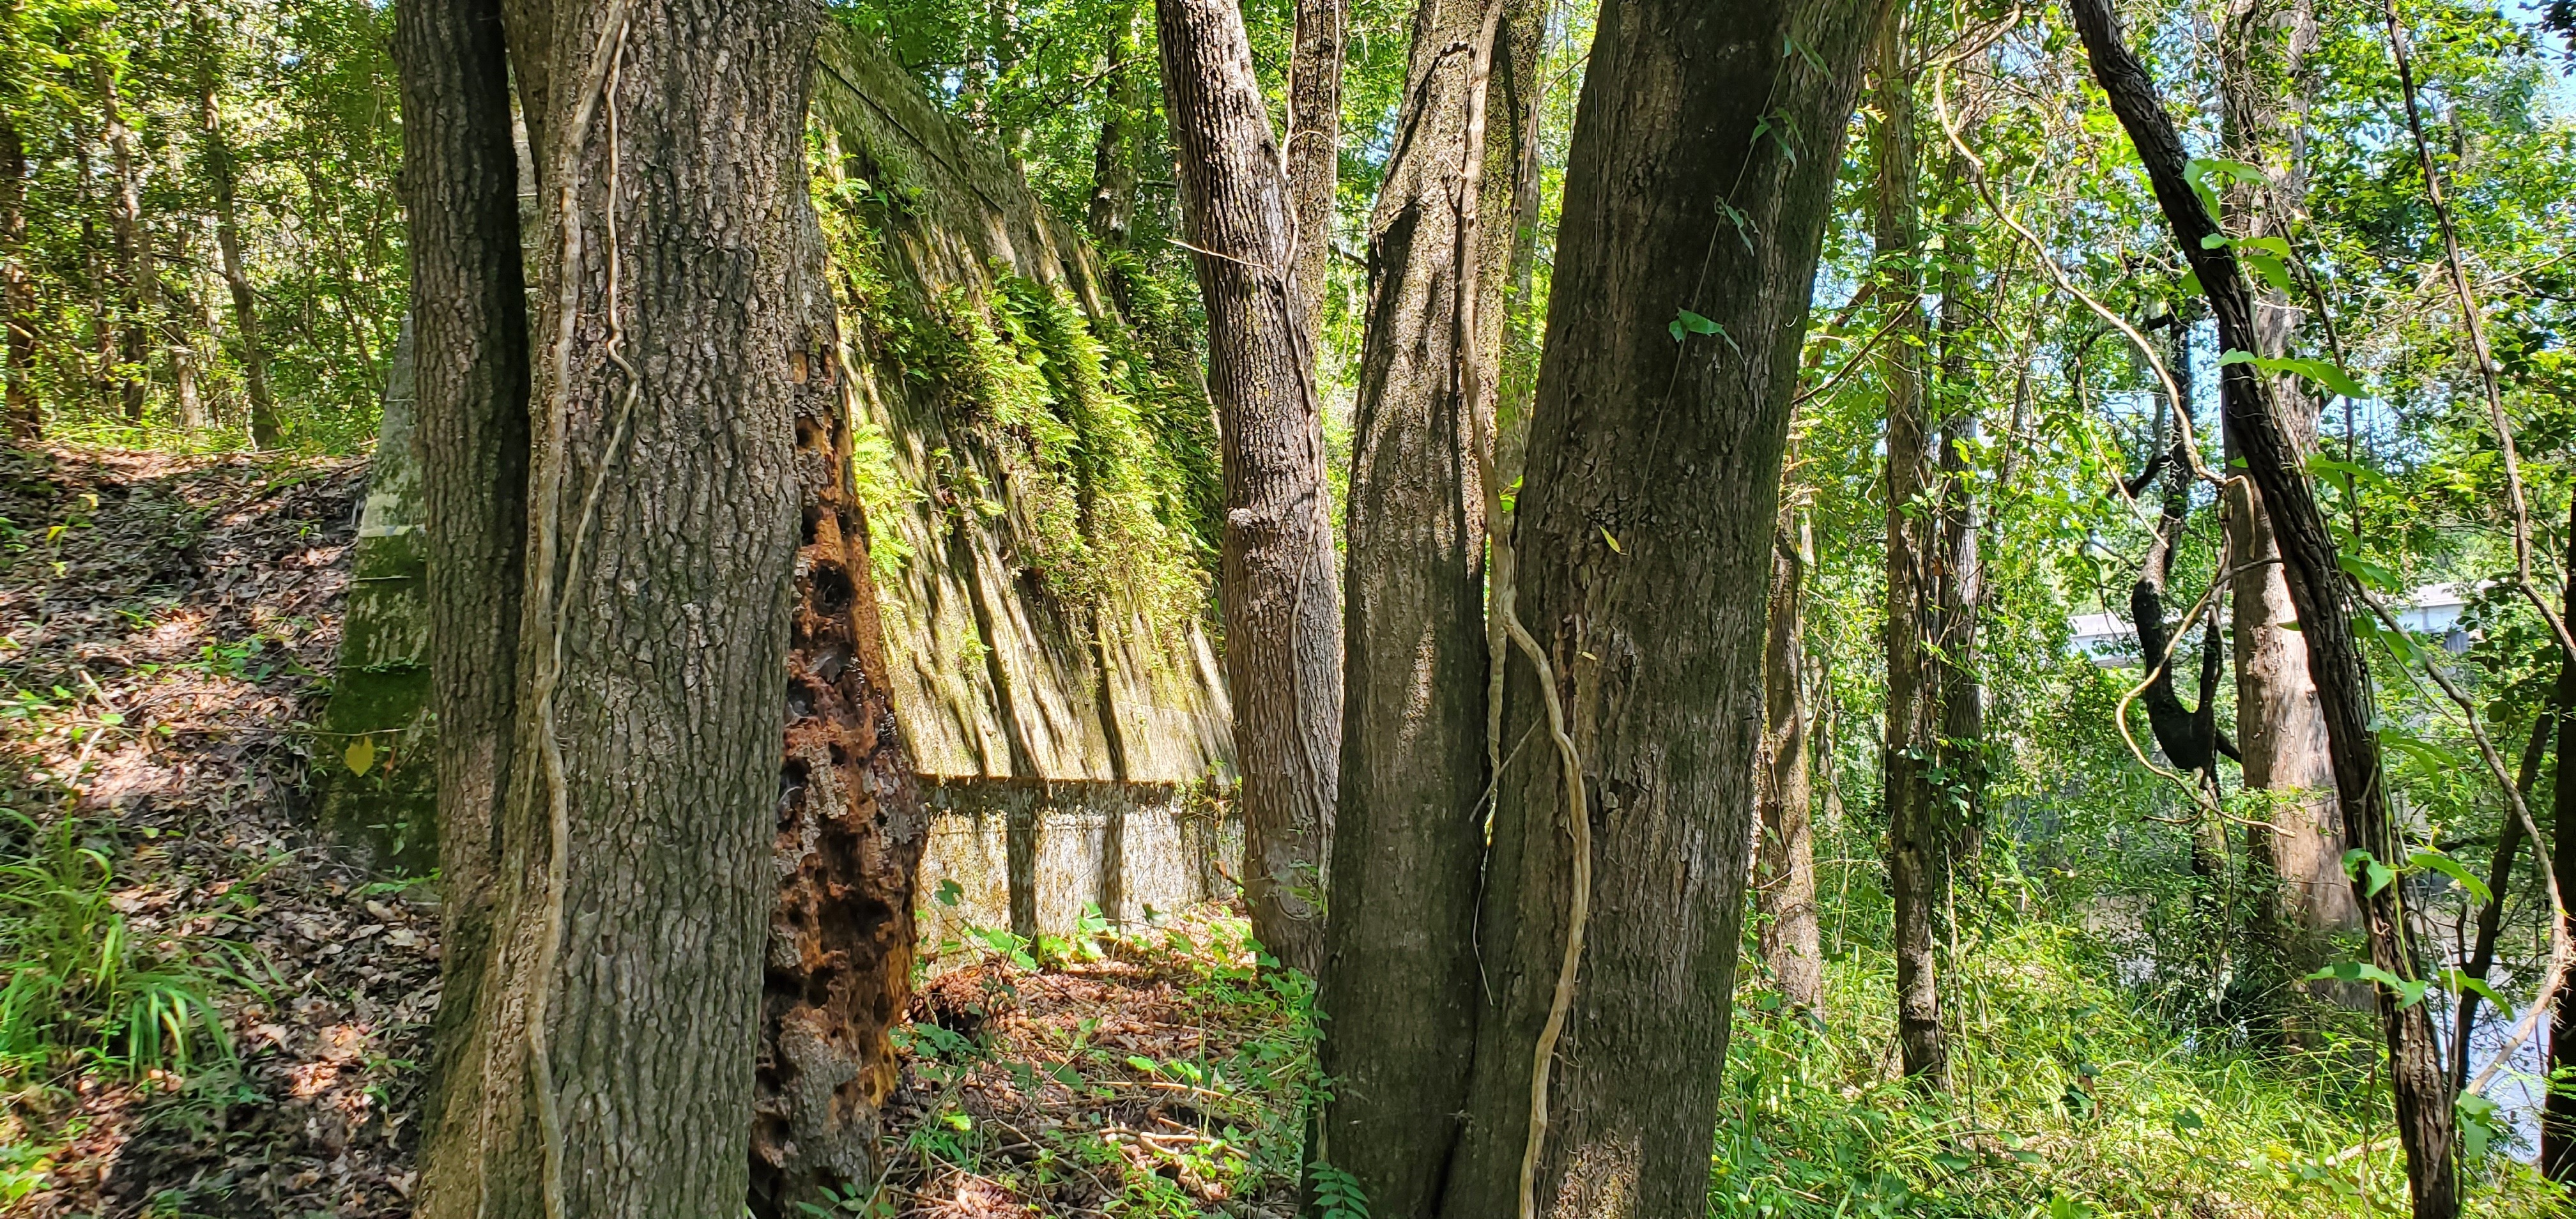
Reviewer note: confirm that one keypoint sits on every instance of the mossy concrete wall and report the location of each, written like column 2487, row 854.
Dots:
column 373, row 747
column 1054, row 676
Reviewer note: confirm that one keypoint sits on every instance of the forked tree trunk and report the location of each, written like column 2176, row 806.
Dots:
column 2323, row 603
column 2264, row 81
column 18, row 353
column 1784, row 866
column 1409, row 825
column 1314, row 150
column 620, row 1015
column 1643, row 539
column 220, row 173
column 470, row 362
column 1281, row 610
column 1917, row 864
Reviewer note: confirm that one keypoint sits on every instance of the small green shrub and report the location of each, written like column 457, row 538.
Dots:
column 82, row 981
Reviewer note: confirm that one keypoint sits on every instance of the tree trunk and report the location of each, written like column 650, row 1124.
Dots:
column 1646, row 599
column 1282, row 622
column 470, row 367
column 1111, row 216
column 1409, row 825
column 620, row 1014
column 2318, row 594
column 1917, row 863
column 1314, row 152
column 850, row 822
column 1958, row 573
column 264, row 430
column 2509, row 843
column 2297, row 863
column 1784, row 868
column 2558, row 1114
column 17, row 304
column 133, row 244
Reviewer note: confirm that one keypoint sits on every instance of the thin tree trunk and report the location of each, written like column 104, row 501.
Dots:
column 1111, row 216
column 133, row 244
column 1409, row 824
column 1281, row 609
column 1958, row 574
column 2558, row 1113
column 2509, row 842
column 2324, row 605
column 850, row 824
column 17, row 304
column 1314, row 151
column 470, row 362
column 1784, row 869
column 1643, row 545
column 620, row 1014
column 1917, row 863
column 220, row 173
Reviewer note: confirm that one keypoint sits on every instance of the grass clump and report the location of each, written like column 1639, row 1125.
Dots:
column 87, row 983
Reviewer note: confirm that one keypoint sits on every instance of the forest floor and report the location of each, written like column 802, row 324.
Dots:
column 168, row 627
column 167, row 631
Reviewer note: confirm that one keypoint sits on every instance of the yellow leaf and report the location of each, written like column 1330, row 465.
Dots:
column 1614, row 542
column 361, row 756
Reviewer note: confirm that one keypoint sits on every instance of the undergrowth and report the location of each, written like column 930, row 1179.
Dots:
column 2070, row 1099
column 86, row 984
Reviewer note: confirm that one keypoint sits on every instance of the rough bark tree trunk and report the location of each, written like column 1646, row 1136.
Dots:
column 18, row 356
column 2264, row 83
column 1917, row 863
column 1646, row 598
column 220, row 173
column 470, row 362
column 132, row 244
column 620, row 1015
column 1409, row 824
column 850, row 823
column 2317, row 592
column 1281, row 608
column 1784, row 868
column 1958, row 574
column 1314, row 151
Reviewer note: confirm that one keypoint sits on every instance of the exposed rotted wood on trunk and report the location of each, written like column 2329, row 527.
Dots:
column 1281, row 603
column 2318, row 592
column 850, row 834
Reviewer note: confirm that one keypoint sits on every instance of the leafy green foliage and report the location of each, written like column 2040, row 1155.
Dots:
column 84, row 980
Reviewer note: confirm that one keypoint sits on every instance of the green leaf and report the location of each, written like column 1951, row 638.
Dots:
column 361, row 755
column 2447, row 866
column 2409, row 993
column 949, row 891
column 2273, row 271
column 2478, row 1124
column 1687, row 323
column 2369, row 573
column 2358, row 859
column 2191, row 284
column 2464, row 984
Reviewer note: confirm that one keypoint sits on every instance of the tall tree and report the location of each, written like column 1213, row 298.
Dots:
column 221, row 174
column 2558, row 1113
column 619, row 1015
column 1409, row 825
column 2265, row 79
column 135, row 273
column 1917, row 863
column 470, row 360
column 1642, row 547
column 1111, row 213
column 1315, row 149
column 1784, row 862
column 1276, row 582
column 2318, row 593
column 17, row 327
